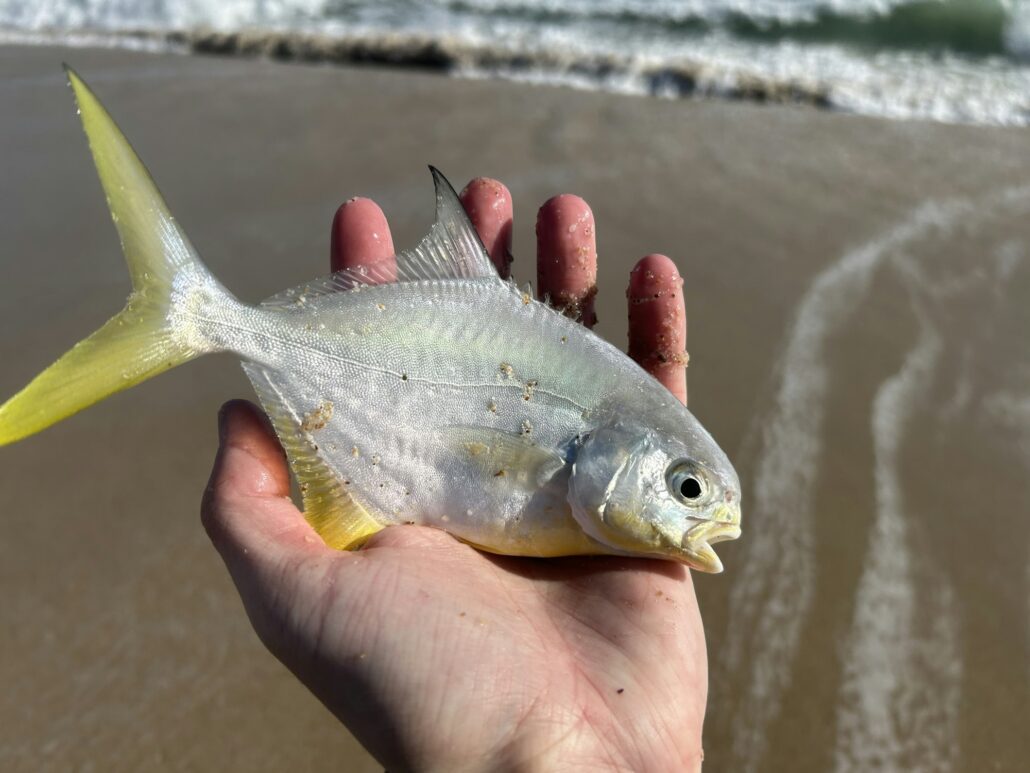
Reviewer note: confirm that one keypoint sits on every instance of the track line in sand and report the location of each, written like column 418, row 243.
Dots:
column 901, row 692
column 772, row 593
column 882, row 661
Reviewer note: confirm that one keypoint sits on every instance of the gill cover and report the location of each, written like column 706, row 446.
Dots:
column 612, row 484
column 621, row 493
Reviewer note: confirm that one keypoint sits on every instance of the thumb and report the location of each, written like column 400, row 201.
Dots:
column 280, row 566
column 246, row 508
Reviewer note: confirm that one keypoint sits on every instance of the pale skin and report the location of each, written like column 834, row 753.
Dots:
column 437, row 656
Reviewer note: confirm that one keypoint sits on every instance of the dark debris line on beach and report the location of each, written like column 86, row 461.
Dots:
column 685, row 79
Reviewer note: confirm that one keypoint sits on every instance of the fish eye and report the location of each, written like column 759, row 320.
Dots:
column 686, row 482
column 690, row 488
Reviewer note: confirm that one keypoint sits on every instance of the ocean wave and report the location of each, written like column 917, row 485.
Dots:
column 960, row 61
column 458, row 56
column 968, row 27
column 972, row 27
column 978, row 28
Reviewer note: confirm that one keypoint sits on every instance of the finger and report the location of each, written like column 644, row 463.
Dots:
column 247, row 510
column 566, row 256
column 658, row 322
column 488, row 204
column 361, row 237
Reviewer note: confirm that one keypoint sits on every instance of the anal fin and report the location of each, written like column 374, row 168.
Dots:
column 333, row 513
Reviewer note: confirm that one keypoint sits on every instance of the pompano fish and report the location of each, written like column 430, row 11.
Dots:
column 448, row 398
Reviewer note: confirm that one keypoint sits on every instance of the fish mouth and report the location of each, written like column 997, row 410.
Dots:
column 697, row 544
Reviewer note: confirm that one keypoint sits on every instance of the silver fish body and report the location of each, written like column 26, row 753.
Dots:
column 459, row 403
column 449, row 398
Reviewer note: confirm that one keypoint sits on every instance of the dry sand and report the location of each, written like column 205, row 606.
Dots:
column 858, row 301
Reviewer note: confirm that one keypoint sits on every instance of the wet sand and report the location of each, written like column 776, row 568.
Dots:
column 859, row 300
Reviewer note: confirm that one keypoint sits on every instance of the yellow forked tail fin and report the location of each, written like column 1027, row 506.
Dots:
column 156, row 330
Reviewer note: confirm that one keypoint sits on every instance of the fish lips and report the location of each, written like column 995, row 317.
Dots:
column 698, row 540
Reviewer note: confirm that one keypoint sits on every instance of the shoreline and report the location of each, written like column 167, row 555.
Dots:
column 950, row 63
column 450, row 55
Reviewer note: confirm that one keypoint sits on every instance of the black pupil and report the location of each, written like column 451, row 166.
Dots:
column 690, row 488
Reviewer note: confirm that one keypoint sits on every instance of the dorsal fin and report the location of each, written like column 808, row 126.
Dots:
column 330, row 509
column 451, row 250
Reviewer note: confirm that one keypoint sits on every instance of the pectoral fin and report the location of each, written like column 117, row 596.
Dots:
column 507, row 459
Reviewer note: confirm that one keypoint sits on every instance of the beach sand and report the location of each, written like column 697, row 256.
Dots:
column 859, row 300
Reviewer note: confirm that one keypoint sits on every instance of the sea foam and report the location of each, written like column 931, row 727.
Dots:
column 943, row 60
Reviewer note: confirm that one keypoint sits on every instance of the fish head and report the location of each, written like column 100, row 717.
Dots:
column 642, row 491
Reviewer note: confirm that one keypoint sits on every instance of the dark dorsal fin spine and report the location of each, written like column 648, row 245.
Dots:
column 451, row 250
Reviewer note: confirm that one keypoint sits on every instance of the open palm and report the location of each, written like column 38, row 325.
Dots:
column 441, row 657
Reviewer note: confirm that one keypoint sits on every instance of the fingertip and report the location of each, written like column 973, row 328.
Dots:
column 658, row 321
column 246, row 505
column 566, row 239
column 247, row 442
column 361, row 237
column 654, row 274
column 489, row 207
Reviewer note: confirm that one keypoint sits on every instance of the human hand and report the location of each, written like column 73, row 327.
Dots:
column 435, row 655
